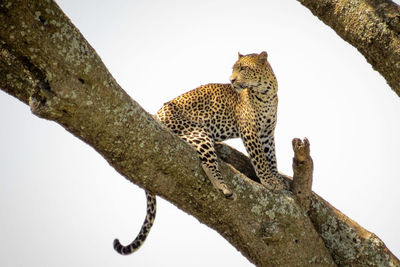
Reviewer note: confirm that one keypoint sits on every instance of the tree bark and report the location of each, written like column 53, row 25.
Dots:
column 371, row 26
column 46, row 63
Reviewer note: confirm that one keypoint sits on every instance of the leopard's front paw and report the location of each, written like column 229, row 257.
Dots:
column 226, row 191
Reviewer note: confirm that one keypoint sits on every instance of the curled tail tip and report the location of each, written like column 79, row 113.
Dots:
column 116, row 242
column 118, row 247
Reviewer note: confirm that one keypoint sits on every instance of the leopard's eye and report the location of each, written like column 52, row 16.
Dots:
column 242, row 68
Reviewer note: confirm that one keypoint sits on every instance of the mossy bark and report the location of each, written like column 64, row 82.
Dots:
column 47, row 64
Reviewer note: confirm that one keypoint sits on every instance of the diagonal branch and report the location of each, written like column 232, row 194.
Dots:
column 371, row 26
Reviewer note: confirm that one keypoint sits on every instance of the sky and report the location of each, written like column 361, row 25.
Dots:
column 61, row 204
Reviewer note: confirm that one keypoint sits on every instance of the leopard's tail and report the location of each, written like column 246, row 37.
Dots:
column 144, row 232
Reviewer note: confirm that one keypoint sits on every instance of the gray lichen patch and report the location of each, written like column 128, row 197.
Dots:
column 348, row 243
column 238, row 183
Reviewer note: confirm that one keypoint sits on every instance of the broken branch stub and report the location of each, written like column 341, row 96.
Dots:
column 302, row 172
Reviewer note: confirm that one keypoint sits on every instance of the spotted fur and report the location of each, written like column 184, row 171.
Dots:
column 244, row 108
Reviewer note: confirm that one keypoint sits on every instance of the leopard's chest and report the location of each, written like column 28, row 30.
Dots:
column 257, row 112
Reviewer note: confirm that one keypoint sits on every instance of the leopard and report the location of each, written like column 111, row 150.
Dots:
column 246, row 108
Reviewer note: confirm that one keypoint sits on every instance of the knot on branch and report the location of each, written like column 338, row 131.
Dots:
column 302, row 172
column 41, row 98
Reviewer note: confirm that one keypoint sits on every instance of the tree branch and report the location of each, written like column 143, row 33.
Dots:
column 371, row 26
column 58, row 74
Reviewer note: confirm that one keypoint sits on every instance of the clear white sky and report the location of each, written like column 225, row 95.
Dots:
column 61, row 204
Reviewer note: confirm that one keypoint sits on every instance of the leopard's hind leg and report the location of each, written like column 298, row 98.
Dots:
column 204, row 145
column 200, row 139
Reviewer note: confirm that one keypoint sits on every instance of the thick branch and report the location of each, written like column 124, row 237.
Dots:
column 372, row 26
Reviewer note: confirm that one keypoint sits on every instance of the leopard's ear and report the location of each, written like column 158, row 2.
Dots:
column 239, row 55
column 262, row 57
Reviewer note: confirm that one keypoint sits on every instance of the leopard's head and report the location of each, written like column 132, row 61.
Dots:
column 253, row 72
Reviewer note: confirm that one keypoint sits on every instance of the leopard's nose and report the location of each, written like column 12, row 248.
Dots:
column 233, row 80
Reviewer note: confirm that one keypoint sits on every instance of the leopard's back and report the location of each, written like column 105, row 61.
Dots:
column 210, row 106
